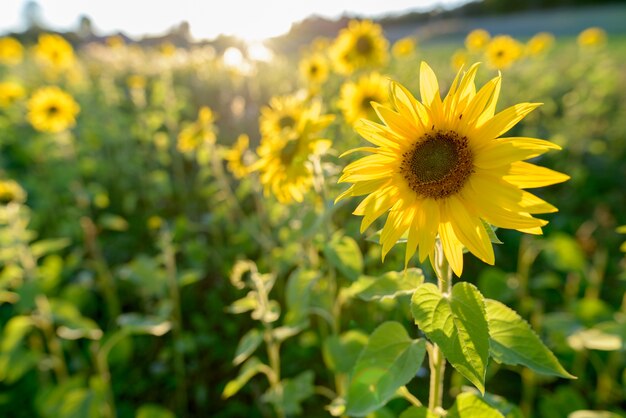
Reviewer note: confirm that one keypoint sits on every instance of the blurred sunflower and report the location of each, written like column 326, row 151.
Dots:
column 167, row 49
column 539, row 43
column 459, row 59
column 477, row 40
column 11, row 51
column 503, row 51
column 355, row 97
column 441, row 167
column 235, row 157
column 314, row 69
column 362, row 44
column 281, row 116
column 197, row 133
column 50, row 109
column 115, row 42
column 404, row 47
column 592, row 37
column 284, row 161
column 10, row 92
column 11, row 191
column 54, row 51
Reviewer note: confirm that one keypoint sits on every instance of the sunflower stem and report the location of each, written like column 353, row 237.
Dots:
column 436, row 358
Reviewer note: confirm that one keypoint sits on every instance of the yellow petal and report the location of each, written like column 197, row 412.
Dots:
column 452, row 247
column 470, row 230
column 429, row 88
column 480, row 100
column 398, row 221
column 505, row 120
column 505, row 151
column 395, row 121
column 526, row 175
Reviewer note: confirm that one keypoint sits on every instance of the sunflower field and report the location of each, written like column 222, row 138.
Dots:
column 366, row 227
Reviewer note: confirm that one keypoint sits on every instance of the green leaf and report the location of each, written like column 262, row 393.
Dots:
column 491, row 232
column 390, row 360
column 341, row 351
column 113, row 222
column 345, row 255
column 47, row 246
column 468, row 405
column 247, row 345
column 298, row 295
column 140, row 324
column 249, row 369
column 14, row 331
column 418, row 412
column 457, row 323
column 150, row 410
column 593, row 414
column 291, row 392
column 514, row 342
column 392, row 284
column 80, row 403
column 506, row 408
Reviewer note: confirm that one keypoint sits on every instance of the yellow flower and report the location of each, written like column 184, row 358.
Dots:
column 235, row 157
column 622, row 230
column 314, row 69
column 284, row 162
column 404, row 47
column 362, row 44
column 441, row 167
column 167, row 49
column 10, row 92
column 136, row 81
column 202, row 131
column 477, row 40
column 282, row 116
column 11, row 191
column 355, row 97
column 503, row 51
column 55, row 51
column 590, row 37
column 50, row 109
column 539, row 43
column 459, row 59
column 11, row 51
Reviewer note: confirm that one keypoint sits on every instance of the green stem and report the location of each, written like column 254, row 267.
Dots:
column 169, row 258
column 436, row 358
column 52, row 341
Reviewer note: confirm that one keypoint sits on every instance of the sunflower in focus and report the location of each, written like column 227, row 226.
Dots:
column 539, row 43
column 503, row 51
column 360, row 45
column 11, row 51
column 442, row 167
column 200, row 132
column 235, row 157
column 281, row 116
column 355, row 97
column 50, row 109
column 314, row 69
column 459, row 59
column 11, row 191
column 284, row 162
column 54, row 51
column 404, row 47
column 592, row 37
column 477, row 40
column 10, row 92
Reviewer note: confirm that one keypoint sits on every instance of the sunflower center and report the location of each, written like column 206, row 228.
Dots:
column 364, row 45
column 288, row 152
column 313, row 70
column 500, row 53
column 53, row 110
column 438, row 165
column 365, row 103
column 286, row 122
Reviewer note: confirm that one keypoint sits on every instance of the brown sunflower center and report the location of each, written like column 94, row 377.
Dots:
column 313, row 69
column 438, row 165
column 500, row 53
column 286, row 122
column 365, row 103
column 364, row 45
column 53, row 110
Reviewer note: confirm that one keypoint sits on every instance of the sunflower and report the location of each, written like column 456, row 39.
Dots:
column 54, row 51
column 355, row 97
column 281, row 116
column 202, row 131
column 592, row 37
column 11, row 191
column 459, row 59
column 404, row 47
column 235, row 157
column 314, row 69
column 10, row 92
column 50, row 109
column 539, row 43
column 503, row 51
column 284, row 162
column 362, row 44
column 477, row 40
column 11, row 51
column 441, row 168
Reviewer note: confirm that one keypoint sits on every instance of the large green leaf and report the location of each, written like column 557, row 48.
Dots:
column 344, row 254
column 341, row 351
column 247, row 345
column 457, row 323
column 291, row 393
column 390, row 360
column 249, row 369
column 514, row 342
column 468, row 405
column 391, row 284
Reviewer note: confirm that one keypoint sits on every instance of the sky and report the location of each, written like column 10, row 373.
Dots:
column 247, row 19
